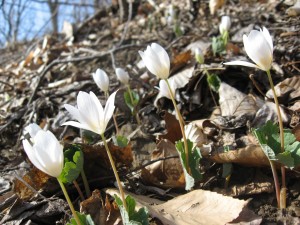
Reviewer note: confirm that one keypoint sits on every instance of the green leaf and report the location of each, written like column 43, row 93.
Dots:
column 177, row 29
column 218, row 46
column 227, row 169
column 132, row 217
column 120, row 141
column 286, row 159
column 73, row 159
column 194, row 160
column 84, row 219
column 225, row 37
column 269, row 139
column 214, row 82
column 131, row 103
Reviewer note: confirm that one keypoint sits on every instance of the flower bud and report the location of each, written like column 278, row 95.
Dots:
column 101, row 79
column 225, row 24
column 199, row 55
column 122, row 76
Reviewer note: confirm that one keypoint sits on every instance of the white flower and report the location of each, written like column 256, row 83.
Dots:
column 101, row 79
column 156, row 60
column 170, row 14
column 225, row 24
column 122, row 76
column 259, row 47
column 46, row 153
column 32, row 129
column 199, row 55
column 164, row 90
column 90, row 113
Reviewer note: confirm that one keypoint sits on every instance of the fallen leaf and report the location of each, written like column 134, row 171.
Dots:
column 164, row 173
column 294, row 10
column 251, row 155
column 94, row 207
column 35, row 178
column 173, row 128
column 180, row 60
column 235, row 103
column 214, row 5
column 287, row 90
column 178, row 80
column 194, row 208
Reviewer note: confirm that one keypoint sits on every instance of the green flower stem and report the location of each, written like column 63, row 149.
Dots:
column 114, row 117
column 181, row 123
column 78, row 190
column 283, row 191
column 134, row 111
column 225, row 37
column 211, row 93
column 85, row 183
column 69, row 201
column 115, row 171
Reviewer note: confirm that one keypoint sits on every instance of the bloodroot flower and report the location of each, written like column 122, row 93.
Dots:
column 44, row 151
column 122, row 76
column 156, row 60
column 101, row 79
column 225, row 24
column 259, row 47
column 90, row 113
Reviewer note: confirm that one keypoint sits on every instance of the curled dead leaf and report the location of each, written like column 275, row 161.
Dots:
column 164, row 173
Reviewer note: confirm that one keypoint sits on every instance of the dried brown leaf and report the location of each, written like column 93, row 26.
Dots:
column 288, row 89
column 35, row 178
column 164, row 173
column 180, row 60
column 235, row 103
column 94, row 206
column 251, row 155
column 194, row 208
column 173, row 128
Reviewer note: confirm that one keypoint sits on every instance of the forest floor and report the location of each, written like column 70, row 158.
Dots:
column 37, row 78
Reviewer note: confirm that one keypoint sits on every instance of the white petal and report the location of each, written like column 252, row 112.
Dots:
column 32, row 129
column 101, row 79
column 88, row 110
column 79, row 125
column 162, row 55
column 258, row 49
column 73, row 111
column 164, row 90
column 268, row 37
column 100, row 111
column 122, row 75
column 109, row 110
column 225, row 24
column 49, row 153
column 31, row 154
column 241, row 63
column 154, row 64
